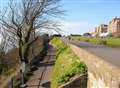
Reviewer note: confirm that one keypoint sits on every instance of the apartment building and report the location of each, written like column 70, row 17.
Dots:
column 101, row 29
column 114, row 27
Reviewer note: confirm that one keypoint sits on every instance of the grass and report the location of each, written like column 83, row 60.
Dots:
column 111, row 42
column 114, row 42
column 67, row 65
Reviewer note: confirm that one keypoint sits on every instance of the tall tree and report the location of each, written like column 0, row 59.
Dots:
column 24, row 17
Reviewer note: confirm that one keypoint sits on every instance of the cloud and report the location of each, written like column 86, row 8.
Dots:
column 77, row 27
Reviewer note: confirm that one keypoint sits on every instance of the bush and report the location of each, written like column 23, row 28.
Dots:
column 103, row 42
column 87, row 40
column 3, row 68
column 77, row 68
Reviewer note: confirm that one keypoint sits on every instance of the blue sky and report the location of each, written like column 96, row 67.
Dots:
column 84, row 15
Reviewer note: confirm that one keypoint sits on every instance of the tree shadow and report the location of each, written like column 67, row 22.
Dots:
column 46, row 85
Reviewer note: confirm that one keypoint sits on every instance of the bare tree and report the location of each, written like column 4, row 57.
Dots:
column 7, row 42
column 24, row 17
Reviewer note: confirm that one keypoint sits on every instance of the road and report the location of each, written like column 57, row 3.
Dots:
column 111, row 55
column 42, row 77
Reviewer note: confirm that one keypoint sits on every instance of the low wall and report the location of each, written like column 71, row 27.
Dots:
column 101, row 74
column 79, row 81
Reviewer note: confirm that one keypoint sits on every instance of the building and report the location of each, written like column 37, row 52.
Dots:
column 75, row 35
column 87, row 35
column 93, row 34
column 101, row 29
column 114, row 27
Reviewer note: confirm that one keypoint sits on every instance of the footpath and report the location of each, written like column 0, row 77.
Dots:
column 41, row 78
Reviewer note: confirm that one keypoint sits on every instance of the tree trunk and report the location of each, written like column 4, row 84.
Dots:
column 24, row 61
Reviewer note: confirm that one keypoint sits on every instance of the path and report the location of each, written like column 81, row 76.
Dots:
column 111, row 55
column 42, row 77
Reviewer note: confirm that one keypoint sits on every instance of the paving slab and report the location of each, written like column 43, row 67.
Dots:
column 41, row 78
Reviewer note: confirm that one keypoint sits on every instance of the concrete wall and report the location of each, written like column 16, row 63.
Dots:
column 101, row 74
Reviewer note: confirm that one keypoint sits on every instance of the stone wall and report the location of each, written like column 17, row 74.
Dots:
column 79, row 81
column 101, row 74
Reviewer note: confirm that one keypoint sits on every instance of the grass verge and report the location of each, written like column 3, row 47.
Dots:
column 111, row 42
column 67, row 64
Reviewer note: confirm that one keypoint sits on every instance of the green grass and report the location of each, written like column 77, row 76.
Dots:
column 67, row 64
column 111, row 42
column 114, row 42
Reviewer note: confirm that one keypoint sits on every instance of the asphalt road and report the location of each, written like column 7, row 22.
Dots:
column 111, row 55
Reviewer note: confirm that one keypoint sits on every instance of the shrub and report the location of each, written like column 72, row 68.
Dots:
column 103, row 42
column 87, row 40
column 3, row 68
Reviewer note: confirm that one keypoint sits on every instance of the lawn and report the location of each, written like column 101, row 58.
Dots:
column 67, row 64
column 111, row 42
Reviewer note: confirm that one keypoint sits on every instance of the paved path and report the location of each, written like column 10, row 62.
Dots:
column 42, row 77
column 111, row 55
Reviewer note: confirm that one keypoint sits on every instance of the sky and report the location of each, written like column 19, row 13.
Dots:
column 84, row 15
